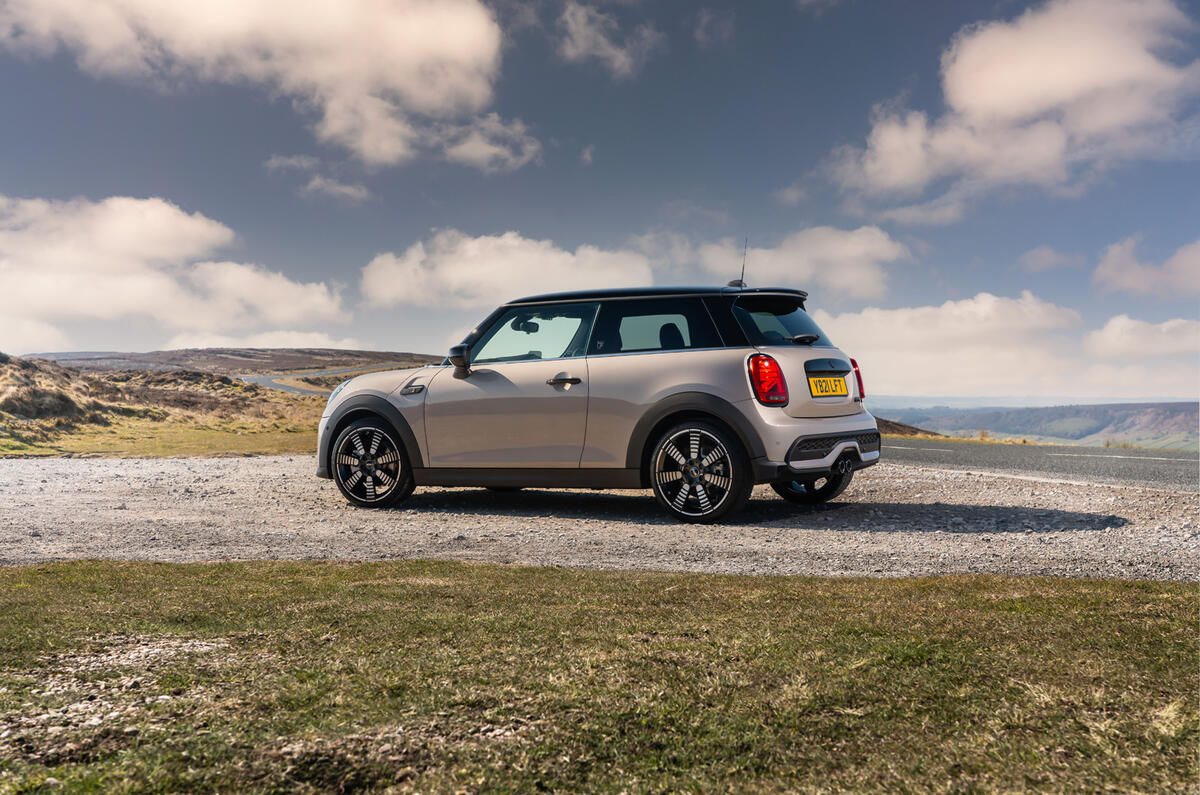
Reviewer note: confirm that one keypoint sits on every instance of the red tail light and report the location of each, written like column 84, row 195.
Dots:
column 767, row 379
column 862, row 393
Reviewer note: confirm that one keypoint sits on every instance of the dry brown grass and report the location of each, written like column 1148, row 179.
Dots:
column 47, row 409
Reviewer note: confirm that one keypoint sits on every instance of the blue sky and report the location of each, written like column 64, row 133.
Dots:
column 982, row 198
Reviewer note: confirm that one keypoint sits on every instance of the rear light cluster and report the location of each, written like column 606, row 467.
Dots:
column 862, row 393
column 766, row 377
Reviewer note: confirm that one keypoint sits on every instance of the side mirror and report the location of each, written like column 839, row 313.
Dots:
column 460, row 357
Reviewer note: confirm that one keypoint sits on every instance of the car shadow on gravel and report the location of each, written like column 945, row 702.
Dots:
column 845, row 515
column 908, row 517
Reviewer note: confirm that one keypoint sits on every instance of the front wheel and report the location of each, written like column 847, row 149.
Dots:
column 815, row 491
column 699, row 472
column 370, row 466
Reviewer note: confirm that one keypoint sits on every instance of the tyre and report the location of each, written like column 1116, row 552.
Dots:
column 370, row 465
column 503, row 489
column 699, row 472
column 813, row 492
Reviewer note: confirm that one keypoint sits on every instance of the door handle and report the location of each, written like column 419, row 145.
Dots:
column 561, row 379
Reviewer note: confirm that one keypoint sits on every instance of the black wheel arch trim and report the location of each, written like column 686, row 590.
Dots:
column 701, row 402
column 365, row 404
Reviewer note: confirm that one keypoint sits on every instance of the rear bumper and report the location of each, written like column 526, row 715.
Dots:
column 814, row 456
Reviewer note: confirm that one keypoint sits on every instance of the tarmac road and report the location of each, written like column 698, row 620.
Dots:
column 271, row 381
column 1163, row 469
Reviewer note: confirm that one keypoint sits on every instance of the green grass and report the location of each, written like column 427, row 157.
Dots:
column 434, row 676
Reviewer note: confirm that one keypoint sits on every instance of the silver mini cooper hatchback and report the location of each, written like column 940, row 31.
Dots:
column 696, row 393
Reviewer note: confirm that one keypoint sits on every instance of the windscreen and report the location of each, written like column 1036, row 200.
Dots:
column 776, row 320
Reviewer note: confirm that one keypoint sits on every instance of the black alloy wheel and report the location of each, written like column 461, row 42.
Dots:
column 699, row 472
column 370, row 467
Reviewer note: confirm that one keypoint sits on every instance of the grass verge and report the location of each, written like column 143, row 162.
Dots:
column 436, row 676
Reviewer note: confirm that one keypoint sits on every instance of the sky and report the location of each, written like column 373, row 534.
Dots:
column 982, row 198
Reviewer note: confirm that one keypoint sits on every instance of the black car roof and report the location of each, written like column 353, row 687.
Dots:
column 653, row 292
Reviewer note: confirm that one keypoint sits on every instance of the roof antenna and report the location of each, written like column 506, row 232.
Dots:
column 741, row 281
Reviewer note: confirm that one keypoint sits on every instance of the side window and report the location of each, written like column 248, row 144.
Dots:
column 526, row 333
column 655, row 324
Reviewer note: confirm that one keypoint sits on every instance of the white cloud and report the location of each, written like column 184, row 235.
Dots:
column 1096, row 63
column 713, row 29
column 354, row 193
column 1120, row 271
column 318, row 184
column 1123, row 337
column 996, row 346
column 382, row 77
column 845, row 262
column 1044, row 258
column 492, row 145
column 1066, row 89
column 671, row 255
column 291, row 163
column 248, row 294
column 985, row 345
column 586, row 154
column 21, row 335
column 790, row 195
column 455, row 269
column 591, row 34
column 266, row 339
column 79, row 260
column 688, row 211
column 816, row 7
column 944, row 209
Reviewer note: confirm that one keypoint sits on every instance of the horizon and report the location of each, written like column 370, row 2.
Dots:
column 894, row 401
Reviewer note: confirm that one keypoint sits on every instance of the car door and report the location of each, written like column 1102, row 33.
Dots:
column 524, row 401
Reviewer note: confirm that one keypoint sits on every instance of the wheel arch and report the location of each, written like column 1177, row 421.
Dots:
column 681, row 407
column 364, row 407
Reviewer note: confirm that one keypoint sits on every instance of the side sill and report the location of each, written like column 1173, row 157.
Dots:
column 544, row 478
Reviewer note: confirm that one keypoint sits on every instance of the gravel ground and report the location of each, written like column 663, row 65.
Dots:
column 894, row 520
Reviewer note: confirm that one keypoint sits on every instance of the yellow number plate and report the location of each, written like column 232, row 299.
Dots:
column 827, row 387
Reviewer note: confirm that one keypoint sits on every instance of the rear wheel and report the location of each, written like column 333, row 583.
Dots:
column 699, row 472
column 370, row 466
column 815, row 491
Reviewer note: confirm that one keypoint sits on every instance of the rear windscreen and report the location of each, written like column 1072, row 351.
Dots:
column 776, row 320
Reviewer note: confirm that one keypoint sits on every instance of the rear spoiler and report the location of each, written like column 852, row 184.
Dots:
column 737, row 292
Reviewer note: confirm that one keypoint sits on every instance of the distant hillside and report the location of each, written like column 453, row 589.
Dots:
column 234, row 360
column 46, row 408
column 1164, row 425
column 893, row 428
column 39, row 395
